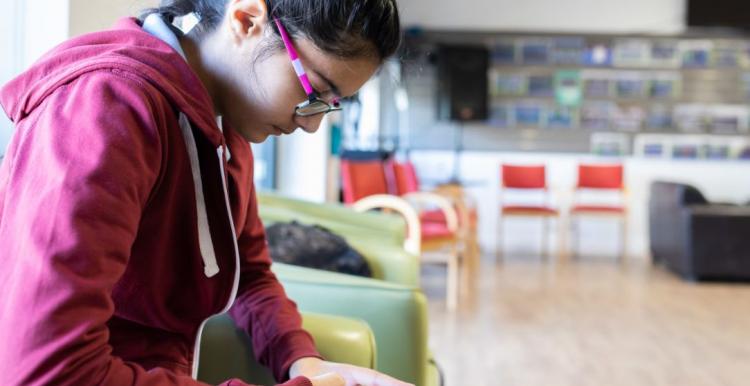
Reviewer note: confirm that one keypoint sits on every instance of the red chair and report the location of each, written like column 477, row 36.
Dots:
column 406, row 177
column 529, row 179
column 599, row 178
column 371, row 185
column 363, row 178
column 407, row 182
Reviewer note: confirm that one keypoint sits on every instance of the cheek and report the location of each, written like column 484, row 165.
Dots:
column 281, row 89
column 266, row 95
column 280, row 97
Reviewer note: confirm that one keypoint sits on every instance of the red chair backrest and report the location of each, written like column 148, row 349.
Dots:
column 360, row 179
column 406, row 178
column 600, row 176
column 524, row 177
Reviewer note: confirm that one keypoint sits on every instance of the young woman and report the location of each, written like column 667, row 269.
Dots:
column 127, row 210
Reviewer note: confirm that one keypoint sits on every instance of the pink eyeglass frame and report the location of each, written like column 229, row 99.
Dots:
column 313, row 102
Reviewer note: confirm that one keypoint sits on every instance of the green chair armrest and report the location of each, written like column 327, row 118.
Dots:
column 396, row 313
column 226, row 351
column 334, row 224
column 433, row 375
column 331, row 214
column 341, row 339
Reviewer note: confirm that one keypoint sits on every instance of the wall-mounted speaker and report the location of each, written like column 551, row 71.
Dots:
column 718, row 13
column 462, row 82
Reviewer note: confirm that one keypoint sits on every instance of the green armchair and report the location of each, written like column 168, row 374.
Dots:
column 391, row 303
column 226, row 351
column 378, row 237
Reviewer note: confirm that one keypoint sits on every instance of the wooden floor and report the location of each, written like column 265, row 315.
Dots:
column 594, row 322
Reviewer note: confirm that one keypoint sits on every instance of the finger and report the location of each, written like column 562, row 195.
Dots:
column 328, row 379
column 367, row 377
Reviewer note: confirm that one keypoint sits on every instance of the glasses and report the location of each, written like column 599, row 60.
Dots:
column 313, row 105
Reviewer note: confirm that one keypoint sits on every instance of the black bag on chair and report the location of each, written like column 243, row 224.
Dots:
column 315, row 247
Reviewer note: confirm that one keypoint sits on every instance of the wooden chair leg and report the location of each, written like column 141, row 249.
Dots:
column 624, row 237
column 575, row 234
column 499, row 240
column 545, row 238
column 476, row 250
column 470, row 249
column 452, row 282
column 562, row 237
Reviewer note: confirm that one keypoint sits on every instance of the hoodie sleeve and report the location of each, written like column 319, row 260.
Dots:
column 262, row 307
column 76, row 178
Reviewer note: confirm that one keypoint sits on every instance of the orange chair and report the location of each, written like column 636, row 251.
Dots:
column 369, row 185
column 363, row 178
column 599, row 178
column 407, row 181
column 531, row 179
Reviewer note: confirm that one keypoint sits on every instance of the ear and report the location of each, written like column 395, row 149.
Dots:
column 247, row 19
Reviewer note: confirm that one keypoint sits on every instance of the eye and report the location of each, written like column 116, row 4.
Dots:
column 321, row 87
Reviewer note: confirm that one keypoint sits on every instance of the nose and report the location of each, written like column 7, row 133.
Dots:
column 309, row 124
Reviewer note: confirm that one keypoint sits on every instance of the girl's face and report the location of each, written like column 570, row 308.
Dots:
column 258, row 89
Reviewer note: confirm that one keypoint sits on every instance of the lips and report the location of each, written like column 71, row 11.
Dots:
column 283, row 131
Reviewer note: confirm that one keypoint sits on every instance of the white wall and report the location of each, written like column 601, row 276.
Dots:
column 12, row 54
column 302, row 160
column 621, row 16
column 87, row 16
column 45, row 25
column 30, row 28
column 10, row 35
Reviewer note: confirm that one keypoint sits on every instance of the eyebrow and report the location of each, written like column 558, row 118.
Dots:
column 333, row 86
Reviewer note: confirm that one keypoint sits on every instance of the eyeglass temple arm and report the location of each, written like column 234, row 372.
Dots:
column 295, row 58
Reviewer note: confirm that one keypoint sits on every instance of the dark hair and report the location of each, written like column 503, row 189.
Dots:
column 346, row 28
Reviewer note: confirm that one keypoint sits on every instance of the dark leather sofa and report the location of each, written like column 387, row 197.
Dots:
column 696, row 239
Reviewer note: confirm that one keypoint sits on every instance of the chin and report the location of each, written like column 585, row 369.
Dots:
column 257, row 138
column 254, row 136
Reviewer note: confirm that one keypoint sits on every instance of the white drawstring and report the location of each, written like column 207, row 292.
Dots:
column 210, row 267
column 157, row 27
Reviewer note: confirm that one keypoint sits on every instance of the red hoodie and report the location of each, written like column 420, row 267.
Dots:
column 124, row 222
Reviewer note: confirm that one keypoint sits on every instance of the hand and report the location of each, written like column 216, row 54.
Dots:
column 323, row 373
column 328, row 379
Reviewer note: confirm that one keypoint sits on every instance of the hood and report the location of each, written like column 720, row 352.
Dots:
column 126, row 47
